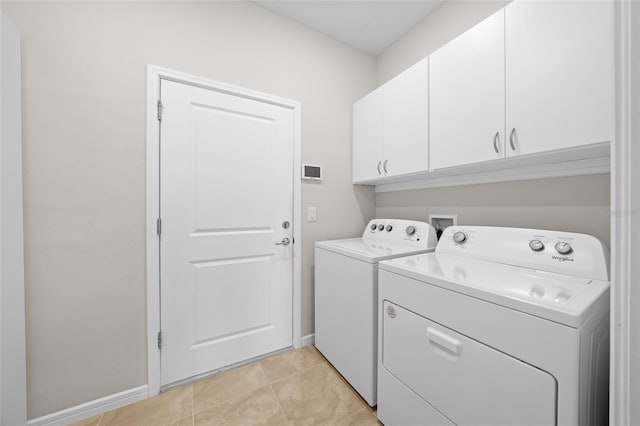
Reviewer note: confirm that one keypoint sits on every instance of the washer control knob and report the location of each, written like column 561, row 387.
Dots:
column 374, row 226
column 381, row 227
column 563, row 248
column 410, row 230
column 459, row 237
column 536, row 245
column 389, row 228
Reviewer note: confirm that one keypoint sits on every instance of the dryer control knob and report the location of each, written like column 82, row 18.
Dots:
column 459, row 237
column 389, row 228
column 410, row 230
column 536, row 245
column 563, row 248
column 374, row 226
column 381, row 227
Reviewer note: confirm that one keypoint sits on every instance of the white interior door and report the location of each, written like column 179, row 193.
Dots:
column 226, row 179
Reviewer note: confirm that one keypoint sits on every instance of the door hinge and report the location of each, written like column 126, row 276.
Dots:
column 159, row 226
column 159, row 339
column 159, row 110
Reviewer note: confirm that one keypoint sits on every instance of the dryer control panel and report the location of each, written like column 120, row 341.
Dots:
column 552, row 251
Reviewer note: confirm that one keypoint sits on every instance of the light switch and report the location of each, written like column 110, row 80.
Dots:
column 312, row 214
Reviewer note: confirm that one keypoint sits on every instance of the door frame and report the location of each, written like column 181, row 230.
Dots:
column 13, row 361
column 154, row 75
column 625, row 219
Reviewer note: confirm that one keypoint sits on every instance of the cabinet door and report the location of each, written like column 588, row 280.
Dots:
column 559, row 69
column 467, row 97
column 367, row 137
column 406, row 117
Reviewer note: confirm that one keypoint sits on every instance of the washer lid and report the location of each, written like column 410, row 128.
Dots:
column 560, row 298
column 371, row 251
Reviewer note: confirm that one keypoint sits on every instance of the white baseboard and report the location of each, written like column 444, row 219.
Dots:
column 107, row 403
column 309, row 339
column 91, row 408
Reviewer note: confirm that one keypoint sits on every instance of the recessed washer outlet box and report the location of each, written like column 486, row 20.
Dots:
column 442, row 221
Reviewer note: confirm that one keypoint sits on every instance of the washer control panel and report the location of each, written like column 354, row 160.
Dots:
column 401, row 231
column 562, row 252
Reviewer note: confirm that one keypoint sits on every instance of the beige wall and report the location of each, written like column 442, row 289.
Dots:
column 84, row 71
column 573, row 204
column 444, row 24
column 579, row 204
column 84, row 80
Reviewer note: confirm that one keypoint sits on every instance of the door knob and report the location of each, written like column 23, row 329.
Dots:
column 285, row 242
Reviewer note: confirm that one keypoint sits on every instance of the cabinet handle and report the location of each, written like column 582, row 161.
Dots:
column 384, row 167
column 511, row 136
column 379, row 164
column 496, row 139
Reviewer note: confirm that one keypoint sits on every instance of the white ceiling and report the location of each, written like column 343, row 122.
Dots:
column 368, row 25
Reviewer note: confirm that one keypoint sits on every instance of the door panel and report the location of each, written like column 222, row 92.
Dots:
column 368, row 116
column 559, row 74
column 226, row 186
column 406, row 119
column 219, row 282
column 467, row 97
column 236, row 159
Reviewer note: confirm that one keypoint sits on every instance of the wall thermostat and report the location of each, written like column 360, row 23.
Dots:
column 311, row 172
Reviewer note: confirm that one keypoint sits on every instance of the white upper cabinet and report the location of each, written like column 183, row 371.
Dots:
column 559, row 74
column 528, row 92
column 390, row 127
column 467, row 97
column 368, row 137
column 406, row 115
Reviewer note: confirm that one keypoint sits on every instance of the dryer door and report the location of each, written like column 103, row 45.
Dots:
column 468, row 382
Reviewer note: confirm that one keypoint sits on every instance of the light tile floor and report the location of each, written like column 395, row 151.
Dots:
column 293, row 388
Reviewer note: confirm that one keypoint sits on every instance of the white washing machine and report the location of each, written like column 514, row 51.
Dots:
column 346, row 295
column 499, row 326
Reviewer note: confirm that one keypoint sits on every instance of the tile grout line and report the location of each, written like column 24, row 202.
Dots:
column 297, row 372
column 230, row 400
column 284, row 413
column 350, row 416
column 323, row 362
column 323, row 359
column 346, row 382
column 193, row 409
column 353, row 391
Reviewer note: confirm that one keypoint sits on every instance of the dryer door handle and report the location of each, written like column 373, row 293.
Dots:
column 450, row 344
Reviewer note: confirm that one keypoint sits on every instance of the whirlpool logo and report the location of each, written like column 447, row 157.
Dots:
column 562, row 258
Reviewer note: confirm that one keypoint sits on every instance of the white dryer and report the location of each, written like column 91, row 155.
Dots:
column 346, row 295
column 499, row 326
